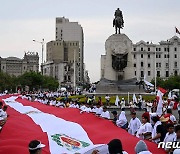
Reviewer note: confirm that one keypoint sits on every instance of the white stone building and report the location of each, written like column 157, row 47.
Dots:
column 16, row 66
column 163, row 57
column 71, row 31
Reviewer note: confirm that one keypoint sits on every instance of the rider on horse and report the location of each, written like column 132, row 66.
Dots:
column 118, row 21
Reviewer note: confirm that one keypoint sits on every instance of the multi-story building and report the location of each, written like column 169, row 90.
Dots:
column 72, row 31
column 60, row 58
column 16, row 66
column 161, row 59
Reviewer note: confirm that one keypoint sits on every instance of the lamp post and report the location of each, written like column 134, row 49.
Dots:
column 74, row 70
column 155, row 73
column 42, row 44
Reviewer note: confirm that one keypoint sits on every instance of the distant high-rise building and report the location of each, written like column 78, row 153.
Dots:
column 63, row 62
column 72, row 31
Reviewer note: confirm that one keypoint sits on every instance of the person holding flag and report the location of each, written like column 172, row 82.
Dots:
column 159, row 96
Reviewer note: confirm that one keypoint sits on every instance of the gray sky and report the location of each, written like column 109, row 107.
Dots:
column 21, row 21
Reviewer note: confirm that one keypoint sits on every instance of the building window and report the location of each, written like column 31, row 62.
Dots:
column 175, row 49
column 175, row 64
column 148, row 49
column 175, row 56
column 167, row 73
column 3, row 67
column 134, row 56
column 141, row 55
column 134, row 49
column 168, row 56
column 165, row 56
column 69, row 78
column 141, row 64
column 141, row 49
column 65, row 54
column 65, row 78
column 156, row 49
column 149, row 73
column 142, row 73
column 149, row 65
column 135, row 73
column 159, row 64
column 159, row 49
column 175, row 73
column 167, row 65
column 65, row 68
column 158, row 74
column 134, row 65
column 149, row 56
column 156, row 64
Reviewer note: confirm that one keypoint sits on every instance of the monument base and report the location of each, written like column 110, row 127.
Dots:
column 123, row 86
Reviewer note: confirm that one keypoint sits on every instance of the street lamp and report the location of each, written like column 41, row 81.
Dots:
column 42, row 43
column 74, row 70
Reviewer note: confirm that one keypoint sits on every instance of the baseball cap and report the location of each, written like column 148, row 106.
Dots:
column 35, row 144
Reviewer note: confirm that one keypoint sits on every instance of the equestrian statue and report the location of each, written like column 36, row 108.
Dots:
column 118, row 21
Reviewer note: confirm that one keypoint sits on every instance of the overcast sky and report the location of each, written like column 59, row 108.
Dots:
column 21, row 21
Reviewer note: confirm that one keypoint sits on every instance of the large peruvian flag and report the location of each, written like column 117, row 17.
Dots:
column 61, row 130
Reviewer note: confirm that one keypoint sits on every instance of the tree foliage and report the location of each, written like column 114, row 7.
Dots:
column 35, row 81
column 173, row 82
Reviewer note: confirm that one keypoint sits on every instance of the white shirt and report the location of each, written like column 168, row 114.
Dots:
column 144, row 128
column 107, row 98
column 171, row 104
column 94, row 109
column 170, row 137
column 172, row 118
column 86, row 109
column 99, row 110
column 82, row 107
column 134, row 125
column 149, row 105
column 3, row 114
column 178, row 106
column 105, row 114
column 122, row 104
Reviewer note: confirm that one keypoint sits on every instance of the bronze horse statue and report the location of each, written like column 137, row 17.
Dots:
column 118, row 23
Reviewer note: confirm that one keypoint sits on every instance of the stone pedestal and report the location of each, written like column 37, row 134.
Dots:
column 117, row 45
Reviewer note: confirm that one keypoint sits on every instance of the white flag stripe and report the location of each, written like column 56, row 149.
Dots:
column 52, row 125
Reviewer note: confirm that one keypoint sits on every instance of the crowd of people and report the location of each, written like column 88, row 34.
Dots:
column 152, row 127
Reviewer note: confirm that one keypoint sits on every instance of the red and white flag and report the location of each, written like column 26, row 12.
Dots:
column 177, row 30
column 159, row 96
column 61, row 130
